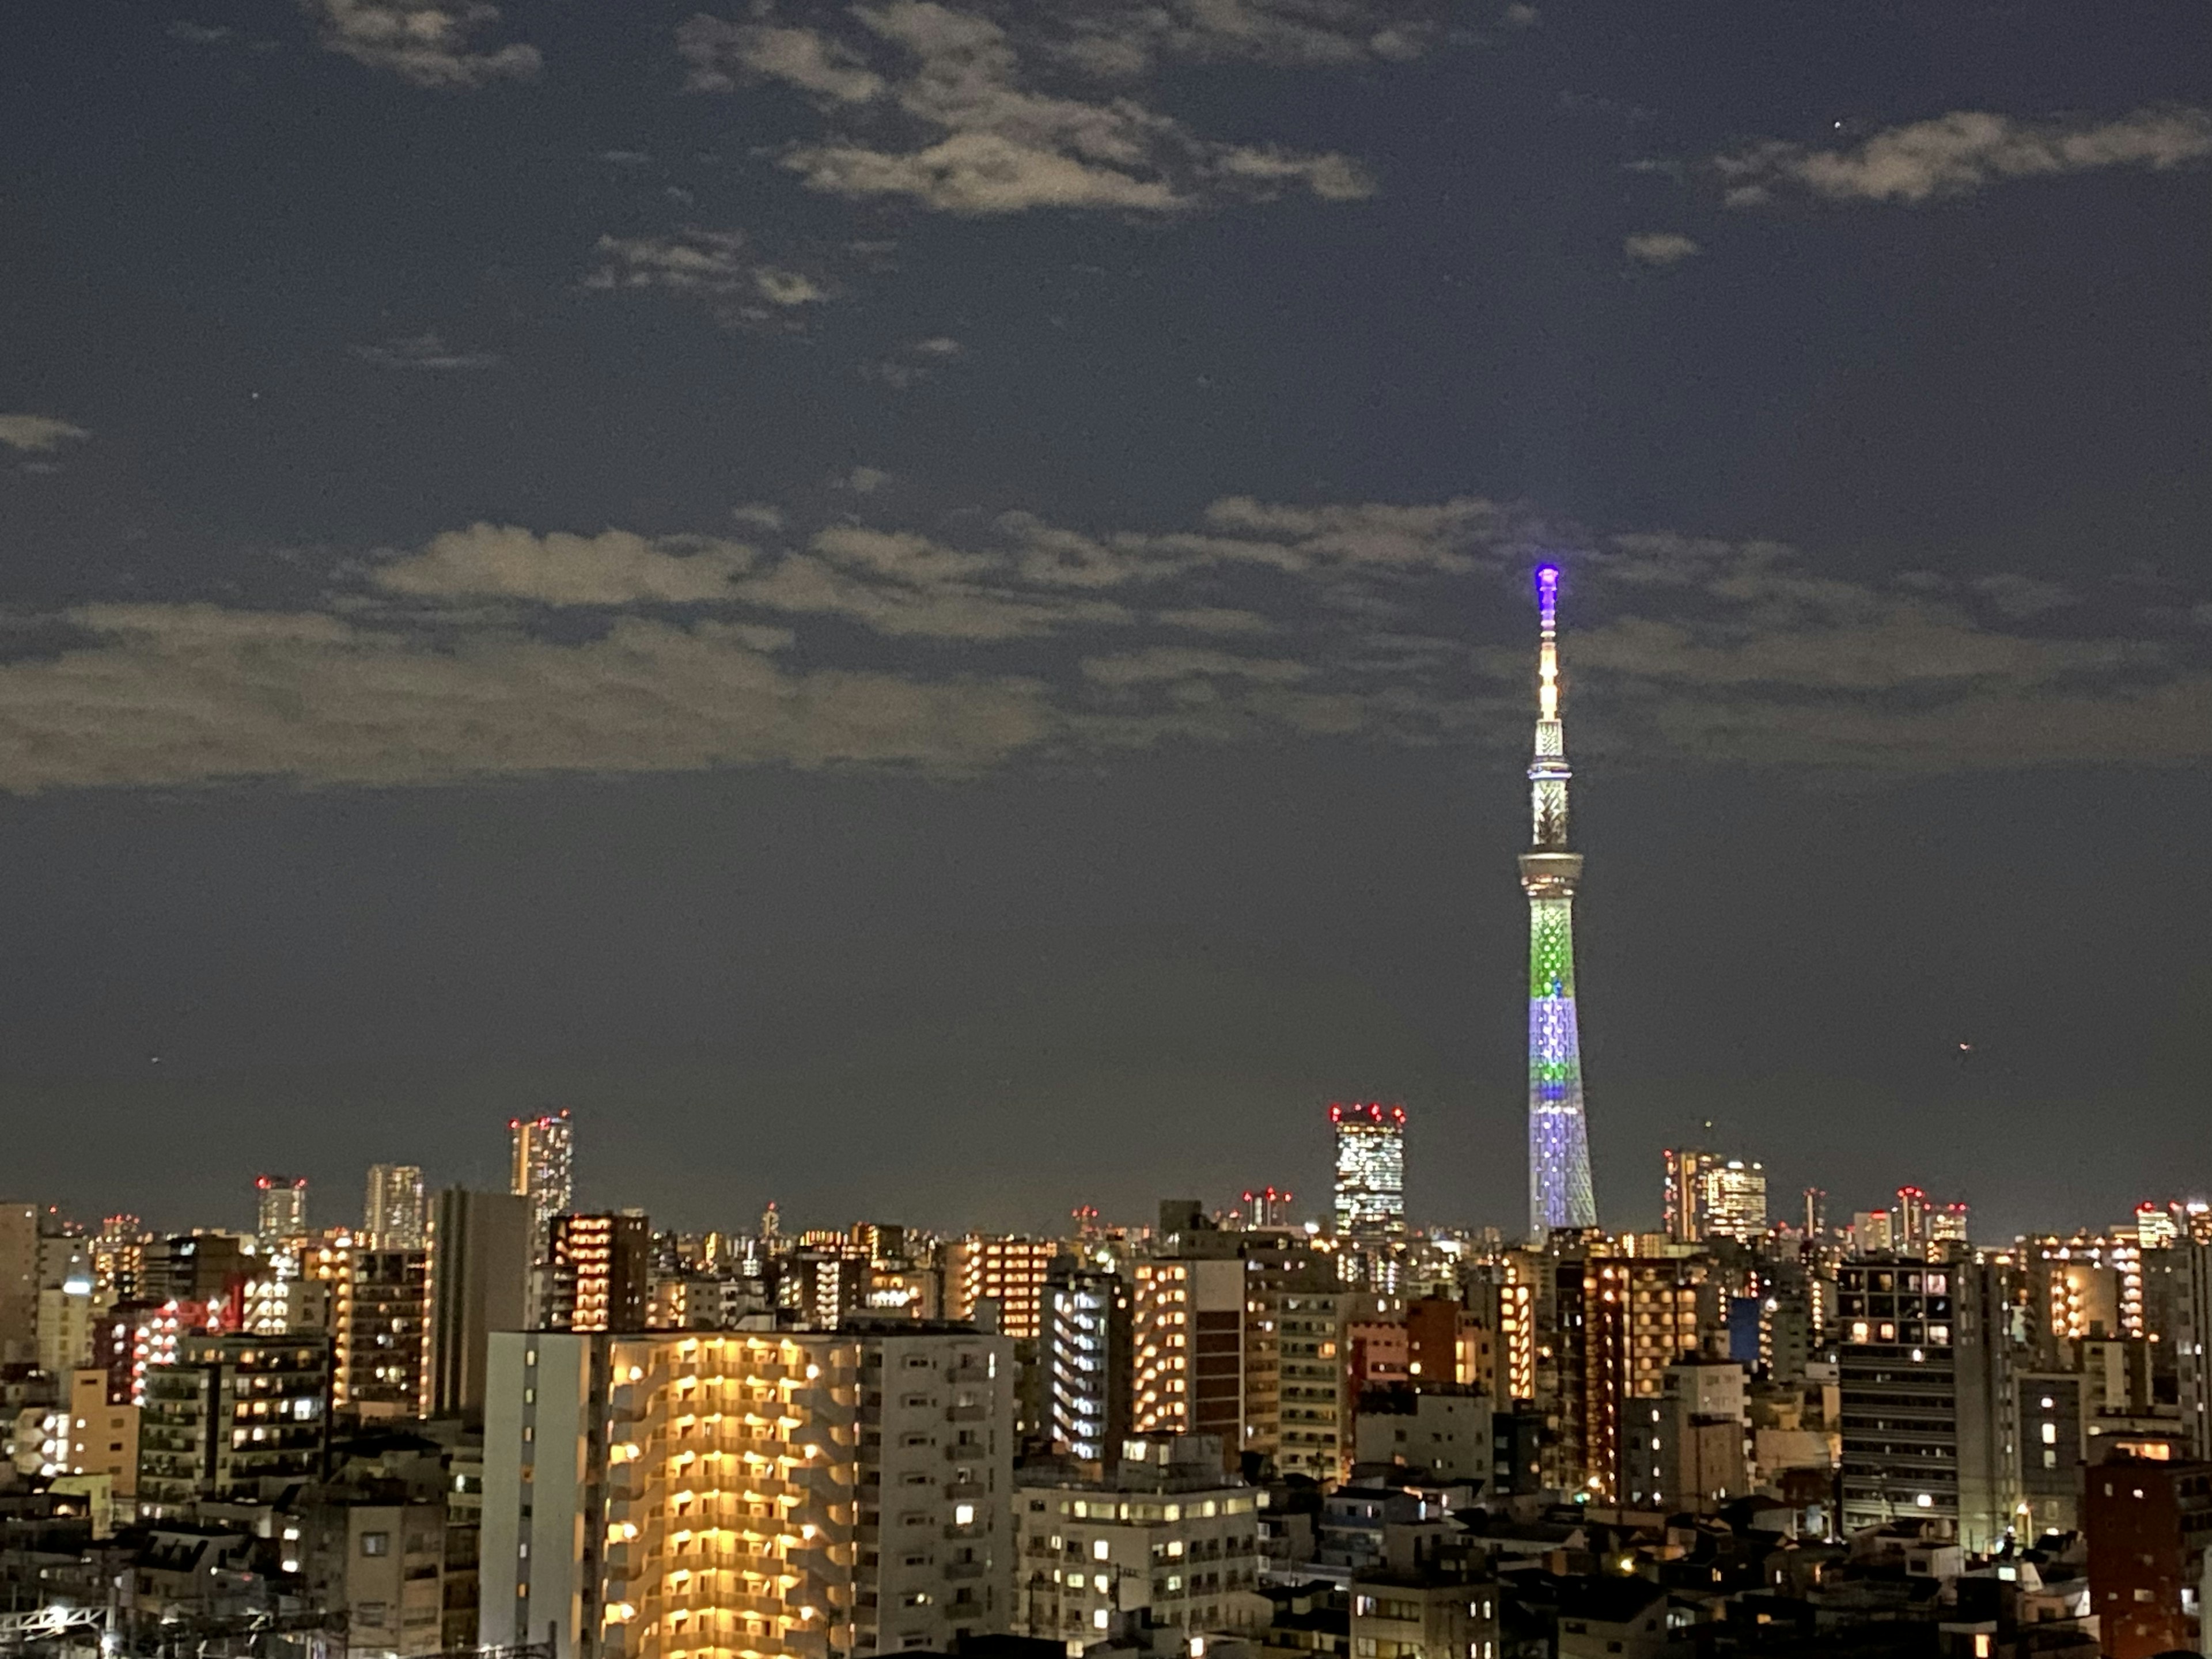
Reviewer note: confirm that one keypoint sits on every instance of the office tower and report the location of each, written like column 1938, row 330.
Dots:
column 2149, row 1522
column 1435, row 1356
column 1928, row 1368
column 379, row 1328
column 395, row 1214
column 1735, row 1203
column 230, row 1412
column 1370, row 1170
column 600, row 1273
column 1160, row 1530
column 1873, row 1232
column 1087, row 1360
column 1948, row 1224
column 1684, row 1215
column 1009, row 1271
column 280, row 1208
column 544, row 1172
column 788, row 1495
column 1559, row 1190
column 478, row 1282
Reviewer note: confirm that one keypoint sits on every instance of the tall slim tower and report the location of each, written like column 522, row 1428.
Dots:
column 1559, row 1193
column 544, row 1163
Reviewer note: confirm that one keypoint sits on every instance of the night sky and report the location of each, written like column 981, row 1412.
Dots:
column 921, row 609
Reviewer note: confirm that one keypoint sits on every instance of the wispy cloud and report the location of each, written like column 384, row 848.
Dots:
column 742, row 287
column 995, row 140
column 494, row 649
column 424, row 42
column 426, row 352
column 1659, row 248
column 914, row 362
column 36, row 434
column 1961, row 153
column 615, row 567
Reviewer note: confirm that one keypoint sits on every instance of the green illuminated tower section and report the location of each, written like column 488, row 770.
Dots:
column 1559, row 1191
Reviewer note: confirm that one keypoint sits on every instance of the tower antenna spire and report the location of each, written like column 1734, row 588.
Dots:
column 1559, row 1190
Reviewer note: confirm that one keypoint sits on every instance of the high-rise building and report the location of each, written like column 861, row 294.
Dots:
column 1560, row 1194
column 231, row 1411
column 1370, row 1170
column 379, row 1326
column 280, row 1208
column 1911, row 1227
column 478, row 1283
column 2148, row 1524
column 118, row 1260
column 543, row 1171
column 19, row 1284
column 395, row 1214
column 1814, row 1216
column 599, row 1271
column 1008, row 1271
column 1266, row 1206
column 1087, row 1362
column 1684, row 1213
column 1928, row 1363
column 1735, row 1198
column 788, row 1495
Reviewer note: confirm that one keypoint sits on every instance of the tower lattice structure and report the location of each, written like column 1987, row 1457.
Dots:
column 1559, row 1190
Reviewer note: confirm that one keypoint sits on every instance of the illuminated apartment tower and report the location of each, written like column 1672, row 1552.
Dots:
column 1685, row 1193
column 395, row 1214
column 280, row 1207
column 1559, row 1190
column 543, row 1149
column 1370, row 1170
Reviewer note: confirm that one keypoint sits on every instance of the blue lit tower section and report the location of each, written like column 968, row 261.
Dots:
column 1559, row 1193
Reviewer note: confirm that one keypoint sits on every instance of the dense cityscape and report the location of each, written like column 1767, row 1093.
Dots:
column 491, row 1421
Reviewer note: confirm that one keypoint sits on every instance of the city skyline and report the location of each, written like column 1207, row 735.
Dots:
column 589, row 572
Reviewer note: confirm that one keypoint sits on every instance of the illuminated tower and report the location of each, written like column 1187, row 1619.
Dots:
column 544, row 1172
column 1559, row 1193
column 1370, row 1170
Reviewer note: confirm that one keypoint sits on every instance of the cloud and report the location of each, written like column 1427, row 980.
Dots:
column 864, row 480
column 1170, row 663
column 175, row 695
column 993, row 140
column 423, row 41
column 722, row 54
column 1659, row 248
column 615, row 567
column 1959, row 154
column 492, row 649
column 914, row 362
column 426, row 351
column 201, row 35
column 742, row 288
column 37, row 434
column 2023, row 596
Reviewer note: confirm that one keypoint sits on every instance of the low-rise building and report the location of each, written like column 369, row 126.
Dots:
column 1163, row 1531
